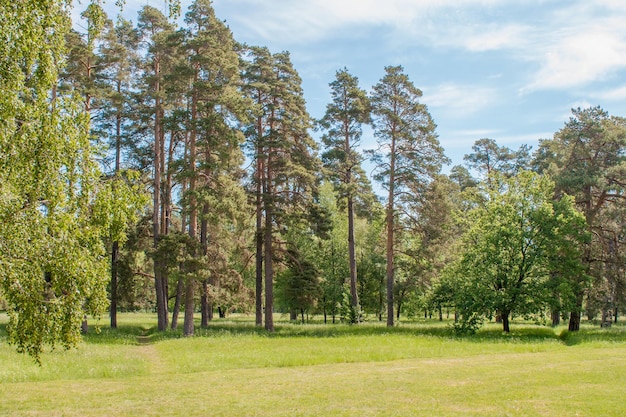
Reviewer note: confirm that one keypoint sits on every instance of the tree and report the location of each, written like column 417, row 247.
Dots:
column 286, row 165
column 408, row 153
column 117, row 61
column 298, row 285
column 214, row 154
column 349, row 109
column 257, row 73
column 154, row 29
column 52, row 264
column 587, row 159
column 462, row 177
column 488, row 157
column 81, row 72
column 512, row 245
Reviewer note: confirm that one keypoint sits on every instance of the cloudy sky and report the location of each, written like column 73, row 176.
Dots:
column 507, row 70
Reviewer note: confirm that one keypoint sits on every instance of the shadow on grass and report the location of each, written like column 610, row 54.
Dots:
column 614, row 334
column 131, row 333
column 138, row 333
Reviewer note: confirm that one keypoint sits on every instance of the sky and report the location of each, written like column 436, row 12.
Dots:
column 506, row 70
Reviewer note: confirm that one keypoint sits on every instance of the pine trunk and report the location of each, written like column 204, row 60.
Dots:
column 268, row 246
column 161, row 298
column 115, row 246
column 352, row 254
column 188, row 328
column 204, row 296
column 259, row 238
column 390, row 237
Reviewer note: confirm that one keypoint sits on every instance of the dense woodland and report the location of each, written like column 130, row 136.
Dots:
column 146, row 166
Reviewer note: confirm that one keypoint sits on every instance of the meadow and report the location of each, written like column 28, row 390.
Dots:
column 232, row 368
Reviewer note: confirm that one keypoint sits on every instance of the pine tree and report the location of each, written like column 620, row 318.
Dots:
column 408, row 153
column 214, row 154
column 154, row 29
column 286, row 164
column 349, row 109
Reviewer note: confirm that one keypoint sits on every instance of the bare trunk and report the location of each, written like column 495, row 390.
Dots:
column 188, row 328
column 115, row 246
column 390, row 241
column 180, row 285
column 352, row 254
column 204, row 296
column 268, row 246
column 259, row 241
column 114, row 259
column 159, row 286
column 193, row 213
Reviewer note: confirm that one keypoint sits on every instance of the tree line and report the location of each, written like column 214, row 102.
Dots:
column 150, row 166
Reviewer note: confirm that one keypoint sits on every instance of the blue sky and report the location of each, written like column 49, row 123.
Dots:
column 507, row 70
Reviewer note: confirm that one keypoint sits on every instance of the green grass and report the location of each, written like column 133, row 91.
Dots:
column 235, row 369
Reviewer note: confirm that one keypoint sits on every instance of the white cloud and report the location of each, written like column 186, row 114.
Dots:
column 460, row 99
column 312, row 20
column 494, row 37
column 581, row 57
column 581, row 42
column 615, row 94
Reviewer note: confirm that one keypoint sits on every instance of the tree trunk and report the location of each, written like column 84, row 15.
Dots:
column 269, row 274
column 352, row 255
column 180, row 287
column 302, row 313
column 268, row 247
column 556, row 317
column 115, row 247
column 505, row 322
column 188, row 328
column 390, row 234
column 84, row 326
column 204, row 242
column 204, row 305
column 574, row 318
column 160, row 285
column 259, row 230
column 114, row 258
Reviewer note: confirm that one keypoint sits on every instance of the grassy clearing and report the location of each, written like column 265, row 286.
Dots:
column 234, row 369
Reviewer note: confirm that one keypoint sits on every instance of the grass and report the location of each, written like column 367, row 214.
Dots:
column 235, row 369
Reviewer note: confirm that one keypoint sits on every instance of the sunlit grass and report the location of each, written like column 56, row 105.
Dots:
column 234, row 368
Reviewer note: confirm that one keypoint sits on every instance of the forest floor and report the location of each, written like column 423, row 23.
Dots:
column 419, row 368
